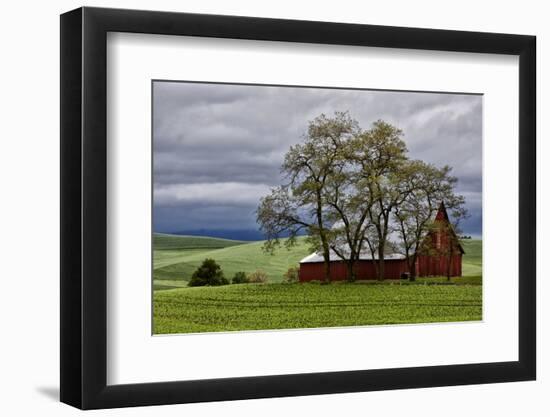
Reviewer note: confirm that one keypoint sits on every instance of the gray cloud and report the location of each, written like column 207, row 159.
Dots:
column 217, row 147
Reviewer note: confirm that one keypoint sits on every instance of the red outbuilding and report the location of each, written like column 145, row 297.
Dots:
column 440, row 254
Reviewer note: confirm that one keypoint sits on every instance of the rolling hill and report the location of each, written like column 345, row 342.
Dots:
column 177, row 257
column 472, row 260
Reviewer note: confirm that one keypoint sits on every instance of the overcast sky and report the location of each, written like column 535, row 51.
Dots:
column 218, row 148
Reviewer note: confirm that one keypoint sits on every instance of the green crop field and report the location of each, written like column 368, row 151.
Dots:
column 180, row 309
column 287, row 306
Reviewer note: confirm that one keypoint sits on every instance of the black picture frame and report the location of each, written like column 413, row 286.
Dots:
column 84, row 207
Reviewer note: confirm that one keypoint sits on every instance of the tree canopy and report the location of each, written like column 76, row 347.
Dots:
column 209, row 273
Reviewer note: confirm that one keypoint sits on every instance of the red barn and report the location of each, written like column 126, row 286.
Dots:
column 440, row 253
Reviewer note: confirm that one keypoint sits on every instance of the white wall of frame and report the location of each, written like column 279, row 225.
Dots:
column 29, row 174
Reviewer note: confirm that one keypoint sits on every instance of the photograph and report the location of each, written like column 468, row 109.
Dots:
column 295, row 207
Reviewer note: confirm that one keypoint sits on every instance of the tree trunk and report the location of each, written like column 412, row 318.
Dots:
column 326, row 256
column 381, row 271
column 354, row 263
column 350, row 269
column 322, row 235
column 411, row 262
column 375, row 264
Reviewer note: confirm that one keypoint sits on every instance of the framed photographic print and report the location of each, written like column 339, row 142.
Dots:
column 258, row 207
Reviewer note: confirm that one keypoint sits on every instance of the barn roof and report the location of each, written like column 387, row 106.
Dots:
column 442, row 215
column 364, row 256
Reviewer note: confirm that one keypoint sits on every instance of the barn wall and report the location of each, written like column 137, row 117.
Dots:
column 437, row 265
column 434, row 260
column 364, row 270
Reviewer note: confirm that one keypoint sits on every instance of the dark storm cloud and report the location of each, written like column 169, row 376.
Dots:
column 218, row 148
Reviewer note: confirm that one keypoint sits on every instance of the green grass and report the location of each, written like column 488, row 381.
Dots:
column 287, row 306
column 179, row 264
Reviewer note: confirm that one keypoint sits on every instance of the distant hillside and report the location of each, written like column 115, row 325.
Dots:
column 250, row 235
column 171, row 242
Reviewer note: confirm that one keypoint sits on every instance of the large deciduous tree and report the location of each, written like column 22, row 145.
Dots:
column 380, row 177
column 300, row 204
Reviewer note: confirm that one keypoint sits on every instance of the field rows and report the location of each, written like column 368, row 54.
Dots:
column 251, row 307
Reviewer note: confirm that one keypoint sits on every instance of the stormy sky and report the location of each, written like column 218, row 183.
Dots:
column 217, row 148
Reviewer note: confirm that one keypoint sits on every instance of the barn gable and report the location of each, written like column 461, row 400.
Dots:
column 440, row 253
column 442, row 234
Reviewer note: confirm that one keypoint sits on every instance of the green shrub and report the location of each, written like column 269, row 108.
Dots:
column 209, row 273
column 291, row 275
column 258, row 277
column 239, row 278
